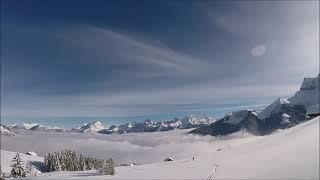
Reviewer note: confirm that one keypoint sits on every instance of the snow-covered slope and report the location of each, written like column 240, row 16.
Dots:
column 5, row 131
column 92, row 127
column 7, row 156
column 288, row 154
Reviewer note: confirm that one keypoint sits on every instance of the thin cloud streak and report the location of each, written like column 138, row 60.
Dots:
column 125, row 49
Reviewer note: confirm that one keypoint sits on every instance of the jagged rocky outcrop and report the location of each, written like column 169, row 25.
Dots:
column 92, row 127
column 285, row 115
column 281, row 114
column 235, row 121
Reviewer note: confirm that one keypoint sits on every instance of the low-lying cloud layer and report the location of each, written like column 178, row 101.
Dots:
column 133, row 147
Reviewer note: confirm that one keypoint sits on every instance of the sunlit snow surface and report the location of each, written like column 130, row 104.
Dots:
column 285, row 154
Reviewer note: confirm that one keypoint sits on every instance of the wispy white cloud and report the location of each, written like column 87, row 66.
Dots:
column 136, row 103
column 111, row 47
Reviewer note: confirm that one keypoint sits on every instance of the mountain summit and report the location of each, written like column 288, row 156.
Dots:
column 281, row 114
column 92, row 127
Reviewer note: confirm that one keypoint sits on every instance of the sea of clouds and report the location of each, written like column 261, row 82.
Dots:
column 126, row 148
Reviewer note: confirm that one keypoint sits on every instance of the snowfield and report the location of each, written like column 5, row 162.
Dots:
column 7, row 156
column 286, row 154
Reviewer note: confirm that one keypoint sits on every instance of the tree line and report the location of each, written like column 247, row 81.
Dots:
column 64, row 160
column 69, row 160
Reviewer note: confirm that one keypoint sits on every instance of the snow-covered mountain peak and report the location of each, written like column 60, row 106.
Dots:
column 193, row 120
column 26, row 126
column 92, row 127
column 97, row 123
column 148, row 122
column 236, row 117
column 130, row 125
column 272, row 108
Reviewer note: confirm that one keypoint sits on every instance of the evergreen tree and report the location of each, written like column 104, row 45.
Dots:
column 62, row 160
column 29, row 168
column 107, row 167
column 82, row 163
column 56, row 162
column 89, row 163
column 68, row 160
column 75, row 161
column 46, row 162
column 110, row 166
column 1, row 174
column 17, row 167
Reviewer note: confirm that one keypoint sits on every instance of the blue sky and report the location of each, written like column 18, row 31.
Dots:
column 126, row 59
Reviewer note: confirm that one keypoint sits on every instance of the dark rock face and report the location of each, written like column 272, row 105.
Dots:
column 294, row 114
column 35, row 127
column 216, row 129
column 252, row 124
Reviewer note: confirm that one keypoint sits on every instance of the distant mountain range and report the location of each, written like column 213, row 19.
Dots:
column 34, row 127
column 150, row 126
column 281, row 114
column 146, row 126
